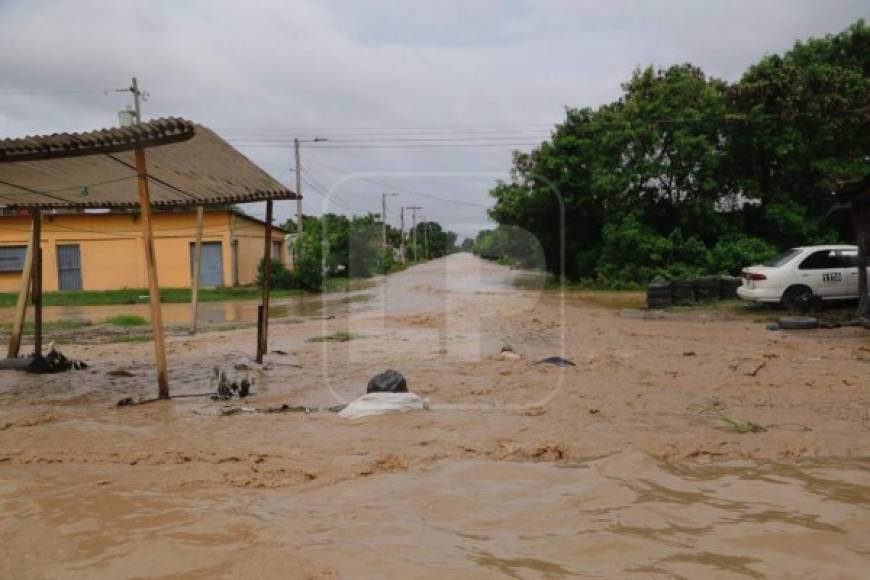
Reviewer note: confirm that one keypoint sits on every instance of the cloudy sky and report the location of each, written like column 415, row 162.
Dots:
column 426, row 99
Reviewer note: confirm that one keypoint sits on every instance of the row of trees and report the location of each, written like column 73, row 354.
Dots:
column 686, row 174
column 334, row 245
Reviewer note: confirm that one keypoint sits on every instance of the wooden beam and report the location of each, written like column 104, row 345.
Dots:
column 197, row 264
column 151, row 268
column 23, row 297
column 263, row 343
column 36, row 285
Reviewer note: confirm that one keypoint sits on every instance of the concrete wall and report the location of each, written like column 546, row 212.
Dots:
column 112, row 253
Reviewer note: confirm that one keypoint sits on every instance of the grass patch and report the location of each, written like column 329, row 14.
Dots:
column 742, row 426
column 133, row 338
column 126, row 320
column 716, row 408
column 340, row 336
column 140, row 296
column 6, row 325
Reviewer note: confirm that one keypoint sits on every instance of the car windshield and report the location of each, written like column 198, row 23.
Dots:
column 781, row 259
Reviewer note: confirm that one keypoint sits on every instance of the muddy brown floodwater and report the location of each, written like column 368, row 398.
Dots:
column 680, row 446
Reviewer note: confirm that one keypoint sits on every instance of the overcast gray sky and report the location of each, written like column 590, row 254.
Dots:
column 423, row 98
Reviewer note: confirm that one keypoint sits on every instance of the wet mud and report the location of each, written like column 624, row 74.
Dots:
column 625, row 465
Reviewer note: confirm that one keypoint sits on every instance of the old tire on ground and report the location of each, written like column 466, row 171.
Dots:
column 797, row 322
column 797, row 298
column 683, row 293
column 658, row 295
column 706, row 289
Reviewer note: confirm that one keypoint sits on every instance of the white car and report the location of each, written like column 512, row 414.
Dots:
column 799, row 275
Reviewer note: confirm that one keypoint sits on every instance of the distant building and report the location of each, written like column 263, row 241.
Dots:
column 103, row 251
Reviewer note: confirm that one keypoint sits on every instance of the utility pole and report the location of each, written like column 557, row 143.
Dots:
column 298, row 245
column 402, row 234
column 138, row 96
column 426, row 238
column 137, row 107
column 414, row 209
column 298, row 154
column 384, row 215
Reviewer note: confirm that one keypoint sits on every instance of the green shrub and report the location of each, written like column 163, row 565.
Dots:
column 281, row 278
column 733, row 253
column 126, row 320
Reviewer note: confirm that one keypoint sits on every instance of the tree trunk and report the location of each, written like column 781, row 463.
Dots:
column 861, row 212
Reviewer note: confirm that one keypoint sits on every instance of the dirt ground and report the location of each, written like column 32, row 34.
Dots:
column 680, row 445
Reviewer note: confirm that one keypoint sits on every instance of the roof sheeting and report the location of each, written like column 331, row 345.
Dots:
column 150, row 134
column 187, row 164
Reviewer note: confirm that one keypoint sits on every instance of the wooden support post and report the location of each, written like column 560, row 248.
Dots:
column 197, row 263
column 37, row 282
column 23, row 297
column 263, row 344
column 151, row 268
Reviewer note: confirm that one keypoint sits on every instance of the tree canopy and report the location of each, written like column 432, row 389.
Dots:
column 686, row 174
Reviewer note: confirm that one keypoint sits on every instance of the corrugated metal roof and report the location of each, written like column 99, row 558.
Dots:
column 150, row 134
column 97, row 169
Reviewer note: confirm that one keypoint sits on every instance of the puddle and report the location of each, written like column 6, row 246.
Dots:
column 241, row 311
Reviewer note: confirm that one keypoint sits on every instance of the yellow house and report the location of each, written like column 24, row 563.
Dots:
column 103, row 251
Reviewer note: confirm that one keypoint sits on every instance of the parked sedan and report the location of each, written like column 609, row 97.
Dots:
column 799, row 275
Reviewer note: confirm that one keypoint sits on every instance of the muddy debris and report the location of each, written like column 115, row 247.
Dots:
column 507, row 352
column 120, row 373
column 53, row 362
column 556, row 361
column 227, row 389
column 389, row 381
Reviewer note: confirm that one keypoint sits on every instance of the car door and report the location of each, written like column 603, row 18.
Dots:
column 824, row 273
column 849, row 258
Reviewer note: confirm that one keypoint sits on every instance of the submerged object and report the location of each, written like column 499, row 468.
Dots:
column 382, row 403
column 556, row 360
column 389, row 381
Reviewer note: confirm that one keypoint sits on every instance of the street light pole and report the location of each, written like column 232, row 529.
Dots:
column 402, row 234
column 298, row 155
column 298, row 193
column 414, row 209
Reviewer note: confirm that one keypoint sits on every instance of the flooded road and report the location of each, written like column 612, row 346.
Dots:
column 625, row 515
column 625, row 465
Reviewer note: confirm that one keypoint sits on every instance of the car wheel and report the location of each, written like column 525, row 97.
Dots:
column 797, row 298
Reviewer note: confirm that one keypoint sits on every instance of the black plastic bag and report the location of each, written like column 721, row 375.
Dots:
column 389, row 381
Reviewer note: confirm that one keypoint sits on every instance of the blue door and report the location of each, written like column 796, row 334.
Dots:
column 211, row 271
column 69, row 267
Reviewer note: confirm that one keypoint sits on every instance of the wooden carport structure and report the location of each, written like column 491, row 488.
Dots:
column 186, row 165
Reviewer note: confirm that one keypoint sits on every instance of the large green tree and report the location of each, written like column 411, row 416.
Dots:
column 685, row 174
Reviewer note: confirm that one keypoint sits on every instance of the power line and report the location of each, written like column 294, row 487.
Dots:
column 442, row 133
column 394, row 146
column 357, row 130
column 56, row 92
column 403, row 189
column 417, row 139
column 332, row 199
